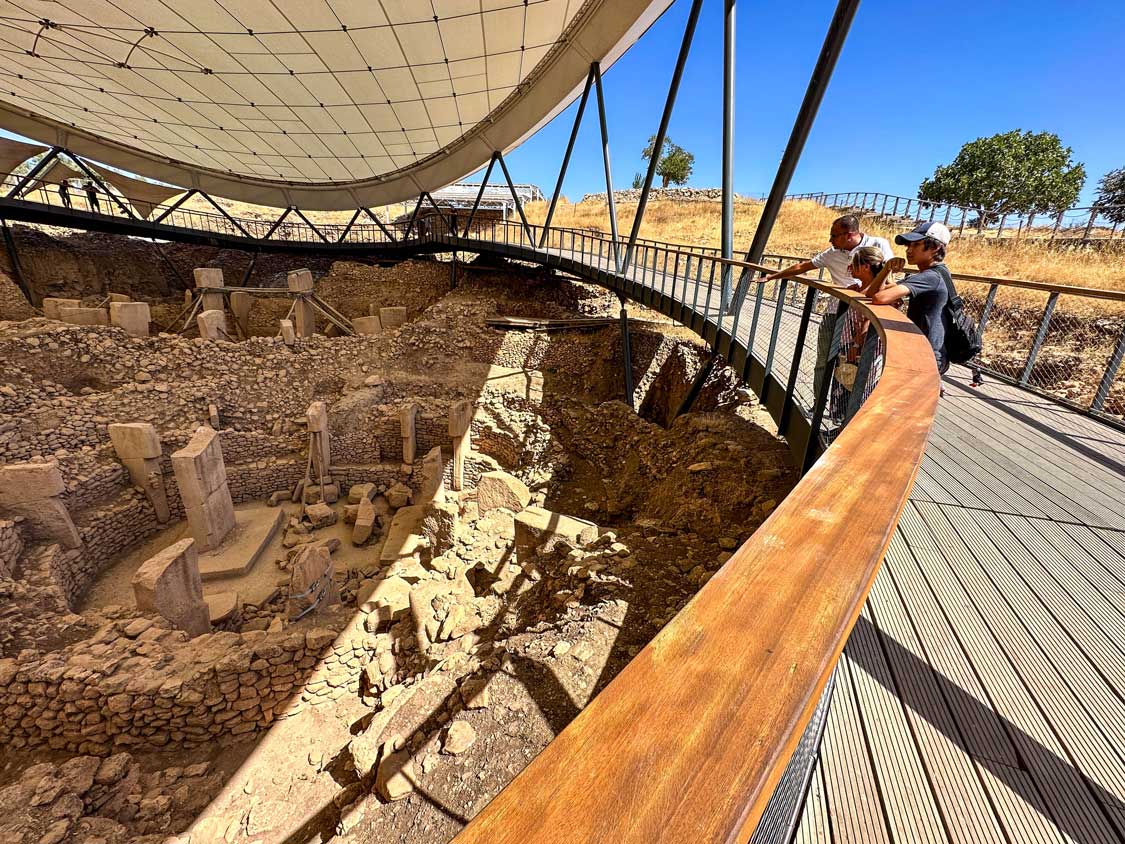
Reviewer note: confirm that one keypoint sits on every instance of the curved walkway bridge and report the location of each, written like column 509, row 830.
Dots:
column 980, row 695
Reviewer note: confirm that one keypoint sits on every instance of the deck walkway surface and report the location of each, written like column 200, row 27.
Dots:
column 981, row 697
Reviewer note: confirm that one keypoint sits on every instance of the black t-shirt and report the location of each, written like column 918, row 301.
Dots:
column 928, row 296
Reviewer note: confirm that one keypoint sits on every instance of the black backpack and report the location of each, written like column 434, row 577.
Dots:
column 962, row 342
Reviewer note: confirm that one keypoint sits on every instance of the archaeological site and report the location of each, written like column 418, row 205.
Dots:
column 335, row 559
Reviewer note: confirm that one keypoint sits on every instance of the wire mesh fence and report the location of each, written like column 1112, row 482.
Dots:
column 1095, row 223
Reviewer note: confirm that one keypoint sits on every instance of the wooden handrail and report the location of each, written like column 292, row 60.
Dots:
column 688, row 742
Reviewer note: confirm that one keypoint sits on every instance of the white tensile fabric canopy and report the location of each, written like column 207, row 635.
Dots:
column 316, row 103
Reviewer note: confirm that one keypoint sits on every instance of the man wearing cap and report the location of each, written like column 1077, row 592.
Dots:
column 928, row 288
column 844, row 238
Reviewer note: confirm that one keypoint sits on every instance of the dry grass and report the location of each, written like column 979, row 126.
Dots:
column 802, row 229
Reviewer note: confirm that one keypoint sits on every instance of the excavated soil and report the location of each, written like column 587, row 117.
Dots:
column 432, row 708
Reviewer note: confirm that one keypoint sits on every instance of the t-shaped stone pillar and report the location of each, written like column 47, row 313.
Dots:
column 138, row 447
column 317, row 417
column 409, row 439
column 460, row 428
column 206, row 278
column 32, row 490
column 202, row 479
column 304, row 318
column 240, row 304
column 169, row 584
column 132, row 317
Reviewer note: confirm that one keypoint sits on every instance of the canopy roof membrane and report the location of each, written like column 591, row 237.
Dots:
column 323, row 104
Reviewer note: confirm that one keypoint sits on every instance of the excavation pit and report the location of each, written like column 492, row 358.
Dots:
column 471, row 624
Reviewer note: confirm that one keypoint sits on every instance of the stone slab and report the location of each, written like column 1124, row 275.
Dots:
column 169, row 584
column 84, row 316
column 21, row 482
column 208, row 276
column 211, row 520
column 134, row 439
column 299, row 281
column 119, row 297
column 288, row 333
column 499, row 489
column 242, row 549
column 132, row 317
column 536, row 526
column 212, row 325
column 52, row 304
column 48, row 518
column 392, row 317
column 404, row 537
column 367, row 325
column 222, row 606
column 199, row 466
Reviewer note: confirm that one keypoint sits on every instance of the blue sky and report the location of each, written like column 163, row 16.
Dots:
column 980, row 67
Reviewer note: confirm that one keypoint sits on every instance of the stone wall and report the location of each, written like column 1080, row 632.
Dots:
column 140, row 686
column 673, row 194
column 11, row 546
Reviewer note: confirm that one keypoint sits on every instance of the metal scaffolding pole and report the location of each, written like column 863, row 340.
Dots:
column 14, row 193
column 728, row 150
column 515, row 196
column 658, row 141
column 480, row 194
column 626, row 353
column 818, row 84
column 566, row 156
column 605, row 158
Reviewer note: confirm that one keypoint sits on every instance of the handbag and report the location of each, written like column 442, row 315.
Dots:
column 962, row 340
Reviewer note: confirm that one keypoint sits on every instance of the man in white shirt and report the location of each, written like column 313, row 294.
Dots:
column 844, row 238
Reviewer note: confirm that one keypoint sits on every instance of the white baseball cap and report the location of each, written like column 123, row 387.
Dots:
column 934, row 231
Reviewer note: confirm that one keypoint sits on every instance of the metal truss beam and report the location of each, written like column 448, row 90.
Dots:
column 309, row 223
column 176, row 204
column 276, row 223
column 379, row 223
column 231, row 219
column 597, row 71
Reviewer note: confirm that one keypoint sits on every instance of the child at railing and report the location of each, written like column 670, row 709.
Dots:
column 869, row 268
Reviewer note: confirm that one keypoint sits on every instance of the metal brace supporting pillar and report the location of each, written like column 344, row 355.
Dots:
column 33, row 172
column 17, row 268
column 727, row 237
column 515, row 196
column 696, row 386
column 480, row 195
column 662, row 131
column 818, row 84
column 626, row 354
column 605, row 158
column 1110, row 373
column 566, row 155
column 1040, row 336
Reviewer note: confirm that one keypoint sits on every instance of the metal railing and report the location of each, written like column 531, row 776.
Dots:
column 1082, row 225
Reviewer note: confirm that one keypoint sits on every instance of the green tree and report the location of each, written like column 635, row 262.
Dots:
column 1111, row 195
column 638, row 181
column 1009, row 173
column 675, row 163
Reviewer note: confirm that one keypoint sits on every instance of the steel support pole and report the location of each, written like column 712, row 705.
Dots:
column 95, row 178
column 1110, row 373
column 1040, row 336
column 515, row 196
column 379, row 223
column 17, row 267
column 662, row 131
column 566, row 156
column 175, row 205
column 626, row 354
column 14, row 193
column 818, row 84
column 480, row 194
column 233, row 221
column 728, row 153
column 309, row 223
column 605, row 158
column 276, row 222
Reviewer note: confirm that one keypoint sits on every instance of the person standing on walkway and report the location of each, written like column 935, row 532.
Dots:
column 64, row 193
column 92, row 197
column 844, row 238
column 928, row 288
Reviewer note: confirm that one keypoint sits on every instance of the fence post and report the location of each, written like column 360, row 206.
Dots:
column 948, row 208
column 961, row 228
column 895, row 212
column 1058, row 223
column 1000, row 228
column 933, row 211
column 883, row 210
column 795, row 366
column 1090, row 223
column 1040, row 336
column 1110, row 373
column 988, row 303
